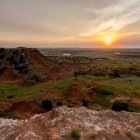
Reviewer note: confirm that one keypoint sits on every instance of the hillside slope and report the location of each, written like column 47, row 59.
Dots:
column 21, row 64
column 58, row 123
column 28, row 65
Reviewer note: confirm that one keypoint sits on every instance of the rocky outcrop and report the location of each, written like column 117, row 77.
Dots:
column 58, row 123
column 25, row 64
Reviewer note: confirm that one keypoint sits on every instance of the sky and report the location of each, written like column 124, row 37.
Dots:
column 69, row 23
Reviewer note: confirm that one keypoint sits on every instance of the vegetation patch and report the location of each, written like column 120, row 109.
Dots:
column 59, row 103
column 75, row 133
column 119, row 106
column 47, row 104
column 105, row 91
column 6, row 115
column 15, row 90
column 128, row 86
column 103, row 96
column 85, row 103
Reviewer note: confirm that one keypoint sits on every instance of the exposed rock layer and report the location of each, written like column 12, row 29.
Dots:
column 58, row 123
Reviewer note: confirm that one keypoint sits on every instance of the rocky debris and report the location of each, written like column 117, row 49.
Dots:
column 58, row 123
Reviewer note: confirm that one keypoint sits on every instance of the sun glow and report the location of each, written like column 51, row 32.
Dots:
column 108, row 40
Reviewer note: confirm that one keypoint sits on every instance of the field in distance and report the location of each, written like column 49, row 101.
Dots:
column 94, row 78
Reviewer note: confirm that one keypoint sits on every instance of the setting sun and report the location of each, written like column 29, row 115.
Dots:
column 108, row 40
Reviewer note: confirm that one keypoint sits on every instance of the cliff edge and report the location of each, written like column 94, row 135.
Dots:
column 58, row 124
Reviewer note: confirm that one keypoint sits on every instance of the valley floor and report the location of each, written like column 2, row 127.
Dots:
column 77, row 80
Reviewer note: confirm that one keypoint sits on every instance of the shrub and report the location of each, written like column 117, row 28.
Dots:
column 2, row 70
column 105, row 91
column 6, row 115
column 137, row 74
column 2, row 56
column 75, row 133
column 59, row 103
column 22, row 68
column 94, row 136
column 80, row 73
column 2, row 53
column 12, row 59
column 2, row 50
column 56, row 69
column 119, row 106
column 3, row 114
column 47, row 104
column 22, row 59
column 114, row 74
column 35, row 78
column 75, row 74
column 10, row 97
column 85, row 103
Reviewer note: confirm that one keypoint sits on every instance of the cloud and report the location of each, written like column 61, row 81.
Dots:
column 49, row 20
column 115, row 17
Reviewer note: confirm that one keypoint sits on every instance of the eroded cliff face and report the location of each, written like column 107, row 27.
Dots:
column 58, row 123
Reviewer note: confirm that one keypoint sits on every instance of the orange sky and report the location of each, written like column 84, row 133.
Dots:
column 70, row 23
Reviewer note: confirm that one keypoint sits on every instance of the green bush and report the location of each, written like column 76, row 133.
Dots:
column 35, row 78
column 10, row 97
column 85, row 103
column 114, row 74
column 75, row 133
column 47, row 104
column 3, row 114
column 59, row 103
column 105, row 91
column 2, row 70
column 119, row 106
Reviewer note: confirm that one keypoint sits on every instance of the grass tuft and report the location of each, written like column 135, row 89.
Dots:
column 75, row 133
